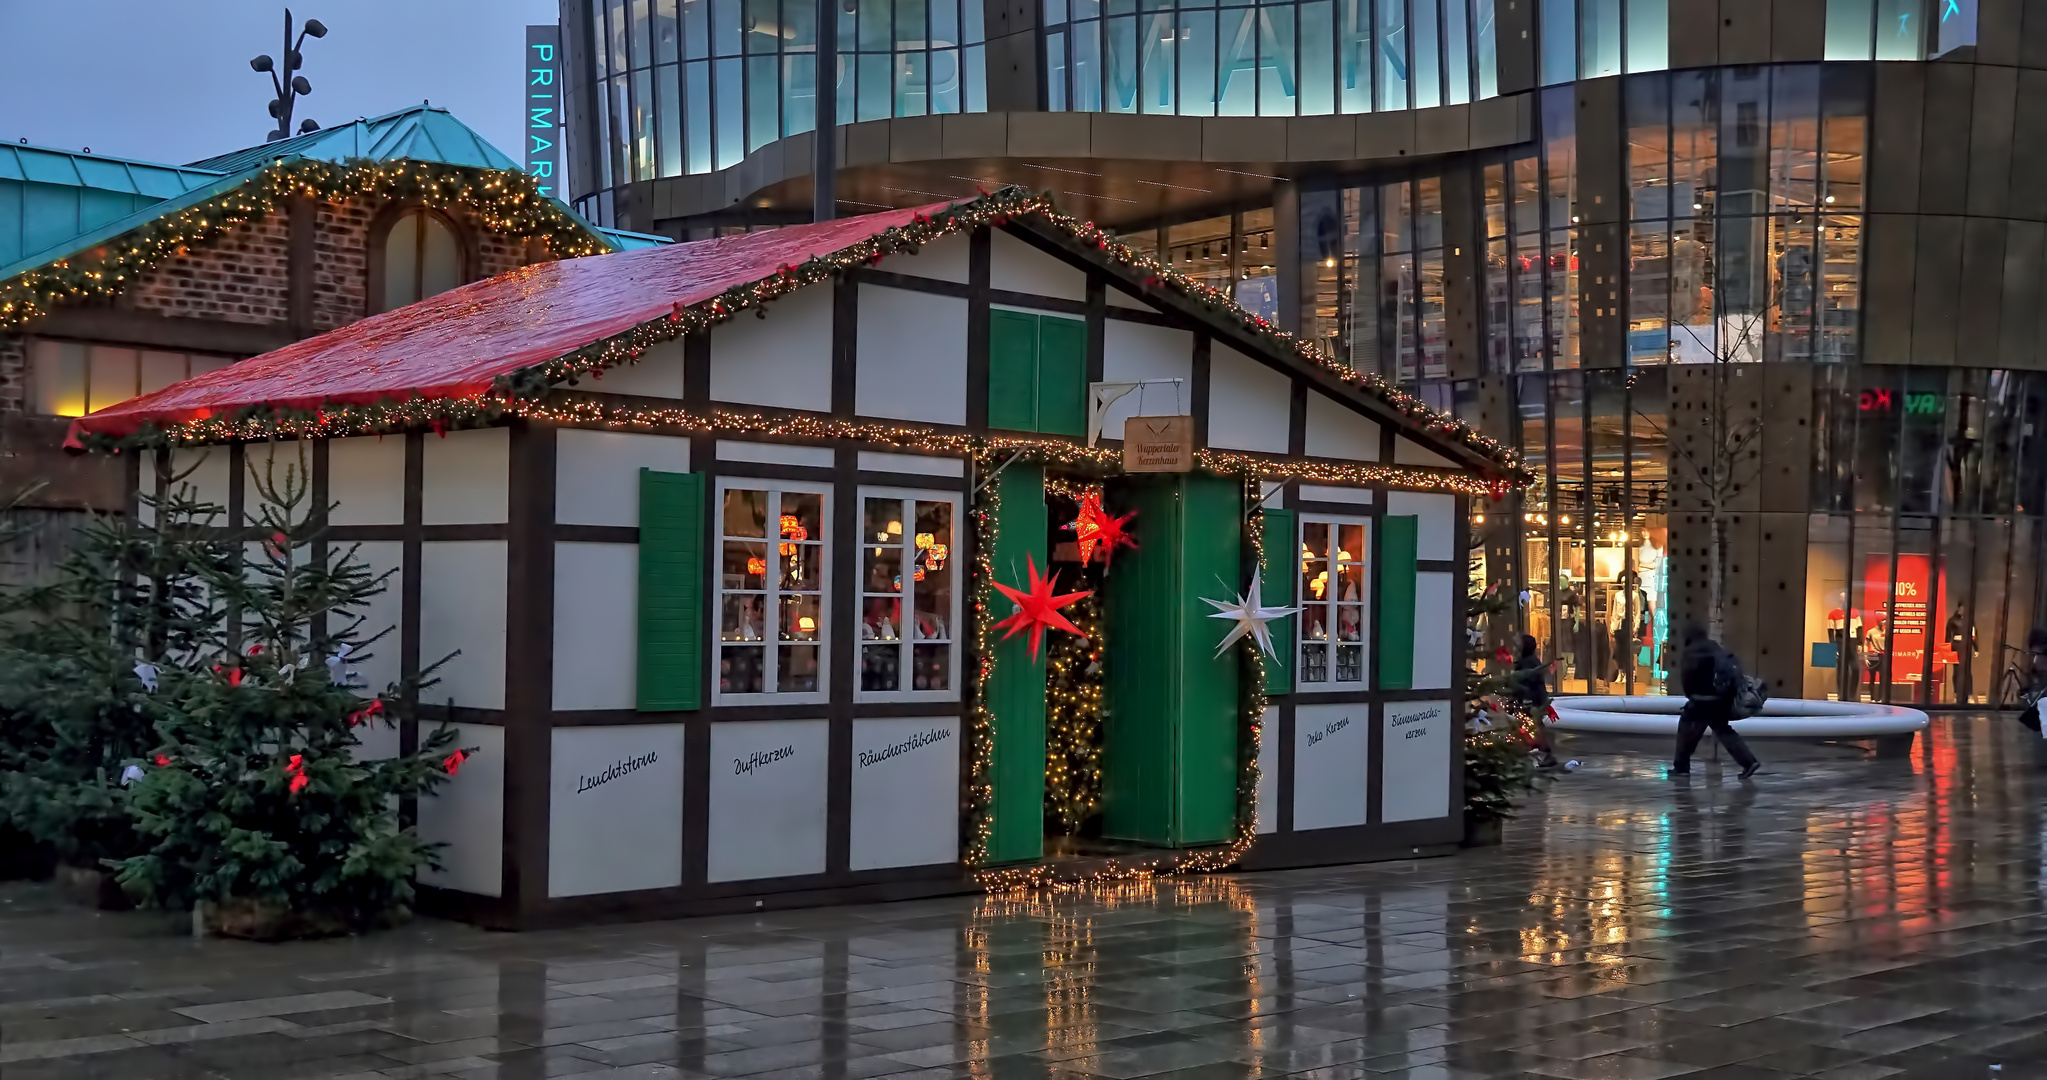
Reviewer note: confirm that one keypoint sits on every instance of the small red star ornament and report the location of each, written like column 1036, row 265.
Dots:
column 1037, row 608
column 1094, row 528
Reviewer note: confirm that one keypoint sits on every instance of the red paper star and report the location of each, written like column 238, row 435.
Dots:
column 1037, row 608
column 1093, row 527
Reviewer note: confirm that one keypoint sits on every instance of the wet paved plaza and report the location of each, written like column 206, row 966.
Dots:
column 1841, row 917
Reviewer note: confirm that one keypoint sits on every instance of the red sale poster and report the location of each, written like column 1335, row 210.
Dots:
column 1907, row 612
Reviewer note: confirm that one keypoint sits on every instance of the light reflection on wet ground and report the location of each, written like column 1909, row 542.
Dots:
column 1843, row 916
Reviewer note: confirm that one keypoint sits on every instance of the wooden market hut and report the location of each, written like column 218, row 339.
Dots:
column 715, row 528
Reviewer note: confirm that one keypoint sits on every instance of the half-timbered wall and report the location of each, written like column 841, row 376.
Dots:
column 515, row 555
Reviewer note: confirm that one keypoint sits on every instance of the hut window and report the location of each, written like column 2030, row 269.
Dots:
column 1333, row 596
column 909, row 605
column 771, row 588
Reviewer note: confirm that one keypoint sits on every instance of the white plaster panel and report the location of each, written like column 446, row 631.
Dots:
column 1335, row 430
column 657, row 373
column 597, row 473
column 1329, row 494
column 906, row 792
column 946, row 259
column 768, row 781
column 816, row 457
column 1249, row 404
column 596, row 625
column 1417, row 766
column 1016, row 266
column 466, row 477
column 912, row 356
column 1133, row 351
column 784, row 360
column 462, row 606
column 374, row 667
column 870, row 461
column 1332, row 757
column 366, row 480
column 1408, row 452
column 1268, row 766
column 467, row 813
column 1436, row 524
column 1434, row 601
column 205, row 470
column 1118, row 298
column 615, row 809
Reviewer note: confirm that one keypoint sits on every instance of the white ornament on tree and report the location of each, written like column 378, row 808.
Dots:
column 1250, row 616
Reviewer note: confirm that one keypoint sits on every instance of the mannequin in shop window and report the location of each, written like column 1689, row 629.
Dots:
column 1961, row 643
column 1873, row 654
column 1570, row 620
column 1627, row 625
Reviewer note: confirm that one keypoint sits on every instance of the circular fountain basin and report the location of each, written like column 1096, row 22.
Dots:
column 1787, row 718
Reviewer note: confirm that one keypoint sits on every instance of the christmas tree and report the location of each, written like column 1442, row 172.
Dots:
column 257, row 802
column 1498, row 770
column 127, row 598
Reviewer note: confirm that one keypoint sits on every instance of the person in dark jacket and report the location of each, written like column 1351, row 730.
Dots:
column 1529, row 687
column 1709, row 677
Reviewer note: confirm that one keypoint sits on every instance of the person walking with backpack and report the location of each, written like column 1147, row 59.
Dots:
column 1711, row 678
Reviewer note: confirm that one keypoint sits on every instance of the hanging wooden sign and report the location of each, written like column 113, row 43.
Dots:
column 1158, row 444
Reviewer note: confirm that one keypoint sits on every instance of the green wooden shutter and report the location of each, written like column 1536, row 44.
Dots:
column 1278, row 576
column 1399, row 538
column 1012, row 370
column 671, row 622
column 1062, row 376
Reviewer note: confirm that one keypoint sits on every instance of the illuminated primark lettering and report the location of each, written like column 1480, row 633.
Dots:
column 543, row 104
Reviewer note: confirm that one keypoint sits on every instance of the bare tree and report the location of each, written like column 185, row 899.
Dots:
column 1717, row 452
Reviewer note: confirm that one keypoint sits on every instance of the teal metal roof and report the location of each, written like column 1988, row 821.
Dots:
column 416, row 133
column 621, row 240
column 48, row 196
column 36, row 228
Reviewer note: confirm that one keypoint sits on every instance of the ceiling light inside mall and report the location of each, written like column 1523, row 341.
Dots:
column 1830, row 199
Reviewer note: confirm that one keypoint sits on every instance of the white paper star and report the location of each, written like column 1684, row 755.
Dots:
column 1250, row 615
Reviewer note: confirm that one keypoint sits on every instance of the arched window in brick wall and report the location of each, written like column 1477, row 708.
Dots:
column 415, row 253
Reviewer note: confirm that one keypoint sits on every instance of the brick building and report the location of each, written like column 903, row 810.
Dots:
column 119, row 277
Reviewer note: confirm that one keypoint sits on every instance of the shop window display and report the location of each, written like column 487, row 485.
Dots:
column 1333, row 596
column 909, row 611
column 771, row 590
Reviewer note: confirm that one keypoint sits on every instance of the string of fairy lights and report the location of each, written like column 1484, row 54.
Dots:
column 1073, row 697
column 505, row 202
column 1252, row 706
column 441, row 415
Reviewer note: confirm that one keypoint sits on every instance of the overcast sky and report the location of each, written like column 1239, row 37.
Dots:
column 169, row 80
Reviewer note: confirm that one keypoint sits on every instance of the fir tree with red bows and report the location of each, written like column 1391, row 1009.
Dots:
column 261, row 804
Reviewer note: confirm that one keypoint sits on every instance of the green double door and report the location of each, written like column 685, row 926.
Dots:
column 1169, row 753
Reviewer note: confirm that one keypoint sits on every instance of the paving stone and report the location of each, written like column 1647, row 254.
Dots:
column 1841, row 917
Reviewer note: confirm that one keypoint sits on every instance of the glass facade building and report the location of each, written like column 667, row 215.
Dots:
column 678, row 87
column 1774, row 274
